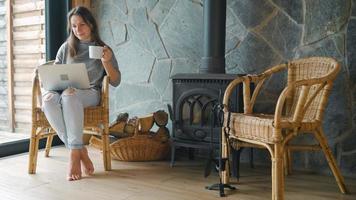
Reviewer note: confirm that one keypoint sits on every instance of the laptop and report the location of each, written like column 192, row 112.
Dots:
column 62, row 76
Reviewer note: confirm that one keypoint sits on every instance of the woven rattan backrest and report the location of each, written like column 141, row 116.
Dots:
column 322, row 68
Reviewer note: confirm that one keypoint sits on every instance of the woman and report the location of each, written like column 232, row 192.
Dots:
column 65, row 109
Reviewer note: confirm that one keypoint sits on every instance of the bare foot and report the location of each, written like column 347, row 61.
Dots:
column 75, row 171
column 87, row 163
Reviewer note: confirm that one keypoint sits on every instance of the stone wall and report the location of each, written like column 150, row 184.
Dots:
column 155, row 39
column 3, row 69
column 348, row 155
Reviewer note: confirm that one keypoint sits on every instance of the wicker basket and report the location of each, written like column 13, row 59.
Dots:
column 136, row 148
column 139, row 148
column 137, row 143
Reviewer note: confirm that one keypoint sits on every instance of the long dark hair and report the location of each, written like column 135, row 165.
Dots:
column 88, row 18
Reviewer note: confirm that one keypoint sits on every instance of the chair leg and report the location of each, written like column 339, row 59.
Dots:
column 285, row 164
column 225, row 174
column 331, row 160
column 106, row 149
column 277, row 173
column 33, row 151
column 48, row 145
column 287, row 161
column 273, row 174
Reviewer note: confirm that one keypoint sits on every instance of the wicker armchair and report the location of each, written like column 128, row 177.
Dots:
column 299, row 110
column 96, row 121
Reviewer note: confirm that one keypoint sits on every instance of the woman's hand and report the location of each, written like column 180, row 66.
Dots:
column 111, row 71
column 107, row 55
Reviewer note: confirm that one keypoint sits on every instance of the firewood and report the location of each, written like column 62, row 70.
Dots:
column 130, row 129
column 145, row 123
column 117, row 127
column 163, row 134
column 122, row 117
column 149, row 134
column 161, row 118
column 96, row 142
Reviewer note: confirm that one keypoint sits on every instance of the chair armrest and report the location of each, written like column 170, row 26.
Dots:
column 229, row 90
column 303, row 101
column 246, row 81
column 105, row 93
column 36, row 91
column 257, row 80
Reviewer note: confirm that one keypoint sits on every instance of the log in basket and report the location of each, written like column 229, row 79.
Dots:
column 136, row 141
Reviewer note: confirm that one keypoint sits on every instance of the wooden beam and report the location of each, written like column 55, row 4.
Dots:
column 10, row 67
column 85, row 3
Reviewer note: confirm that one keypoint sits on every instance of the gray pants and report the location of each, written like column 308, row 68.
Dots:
column 65, row 113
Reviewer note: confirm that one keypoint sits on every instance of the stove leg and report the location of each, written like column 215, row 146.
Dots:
column 235, row 171
column 173, row 153
column 191, row 153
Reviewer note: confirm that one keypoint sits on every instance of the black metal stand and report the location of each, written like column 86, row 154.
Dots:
column 218, row 111
column 221, row 186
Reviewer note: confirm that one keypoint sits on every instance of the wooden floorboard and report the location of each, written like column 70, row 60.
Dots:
column 149, row 180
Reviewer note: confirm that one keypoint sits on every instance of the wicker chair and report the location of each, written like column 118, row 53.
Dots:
column 299, row 110
column 96, row 121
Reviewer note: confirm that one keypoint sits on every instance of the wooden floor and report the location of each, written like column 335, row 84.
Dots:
column 149, row 180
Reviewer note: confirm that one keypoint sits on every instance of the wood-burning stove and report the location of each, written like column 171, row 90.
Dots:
column 194, row 96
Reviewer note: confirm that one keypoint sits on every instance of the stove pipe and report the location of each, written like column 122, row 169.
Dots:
column 214, row 16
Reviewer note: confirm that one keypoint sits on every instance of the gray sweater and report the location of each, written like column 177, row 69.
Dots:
column 94, row 67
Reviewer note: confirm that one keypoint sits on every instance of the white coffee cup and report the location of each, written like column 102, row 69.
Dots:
column 95, row 52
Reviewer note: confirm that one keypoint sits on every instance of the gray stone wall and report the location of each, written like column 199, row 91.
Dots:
column 3, row 69
column 152, row 40
column 348, row 154
column 155, row 39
